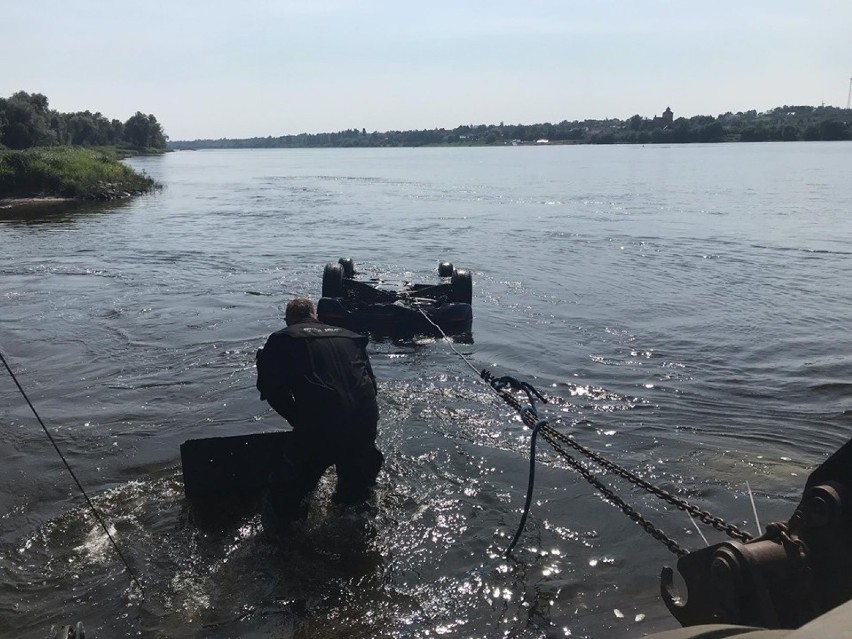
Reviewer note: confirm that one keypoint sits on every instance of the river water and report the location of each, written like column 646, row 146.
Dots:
column 686, row 309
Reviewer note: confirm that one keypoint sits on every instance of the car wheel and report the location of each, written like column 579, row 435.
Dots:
column 332, row 280
column 461, row 287
column 445, row 269
column 348, row 266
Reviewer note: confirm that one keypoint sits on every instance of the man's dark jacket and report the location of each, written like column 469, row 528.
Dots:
column 319, row 378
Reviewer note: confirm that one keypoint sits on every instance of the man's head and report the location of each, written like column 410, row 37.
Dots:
column 299, row 310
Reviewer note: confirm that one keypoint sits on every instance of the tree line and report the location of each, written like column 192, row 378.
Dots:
column 786, row 123
column 27, row 121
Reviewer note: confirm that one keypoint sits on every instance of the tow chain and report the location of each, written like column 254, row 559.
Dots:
column 681, row 504
column 529, row 416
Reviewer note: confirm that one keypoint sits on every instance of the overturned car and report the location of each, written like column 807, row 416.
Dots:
column 380, row 307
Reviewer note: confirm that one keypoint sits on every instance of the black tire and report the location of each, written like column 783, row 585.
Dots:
column 348, row 266
column 332, row 280
column 445, row 269
column 461, row 287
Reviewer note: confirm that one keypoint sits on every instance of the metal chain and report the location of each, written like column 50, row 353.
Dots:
column 551, row 435
column 787, row 535
column 681, row 504
column 607, row 492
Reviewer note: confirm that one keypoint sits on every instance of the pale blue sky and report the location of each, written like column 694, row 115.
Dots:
column 243, row 68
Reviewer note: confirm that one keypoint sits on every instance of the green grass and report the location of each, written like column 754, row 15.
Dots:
column 69, row 172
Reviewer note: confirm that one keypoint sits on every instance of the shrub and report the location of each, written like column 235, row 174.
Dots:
column 68, row 172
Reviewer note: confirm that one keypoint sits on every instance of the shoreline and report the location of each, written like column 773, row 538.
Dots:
column 47, row 175
column 18, row 202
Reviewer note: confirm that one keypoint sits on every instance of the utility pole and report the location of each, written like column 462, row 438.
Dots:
column 849, row 98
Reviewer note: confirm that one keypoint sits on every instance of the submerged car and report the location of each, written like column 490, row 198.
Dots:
column 377, row 306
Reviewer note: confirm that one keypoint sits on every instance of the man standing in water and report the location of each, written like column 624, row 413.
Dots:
column 319, row 378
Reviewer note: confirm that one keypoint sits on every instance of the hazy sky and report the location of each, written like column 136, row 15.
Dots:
column 243, row 68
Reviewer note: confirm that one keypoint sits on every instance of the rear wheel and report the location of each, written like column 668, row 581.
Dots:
column 461, row 287
column 445, row 269
column 348, row 266
column 332, row 280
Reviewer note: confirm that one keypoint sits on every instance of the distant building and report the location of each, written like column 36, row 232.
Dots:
column 542, row 141
column 665, row 120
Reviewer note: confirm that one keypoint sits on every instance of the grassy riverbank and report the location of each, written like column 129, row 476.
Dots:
column 69, row 172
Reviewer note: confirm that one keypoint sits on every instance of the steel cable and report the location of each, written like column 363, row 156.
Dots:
column 94, row 510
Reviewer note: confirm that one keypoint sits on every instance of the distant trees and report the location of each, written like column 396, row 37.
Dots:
column 91, row 129
column 834, row 130
column 781, row 124
column 143, row 131
column 27, row 121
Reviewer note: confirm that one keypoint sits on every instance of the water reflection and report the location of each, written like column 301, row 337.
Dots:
column 139, row 331
column 53, row 211
column 405, row 339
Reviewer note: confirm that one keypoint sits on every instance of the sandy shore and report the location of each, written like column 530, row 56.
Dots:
column 11, row 203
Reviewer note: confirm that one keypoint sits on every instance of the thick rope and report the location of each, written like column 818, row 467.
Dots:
column 531, row 411
column 530, row 484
